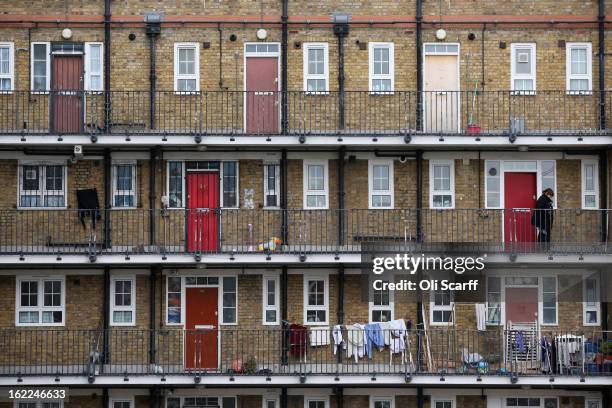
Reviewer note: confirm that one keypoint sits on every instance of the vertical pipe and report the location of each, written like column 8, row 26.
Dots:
column 419, row 196
column 284, row 42
column 284, row 400
column 341, row 211
column 420, row 398
column 419, row 64
column 152, row 307
column 154, row 155
column 105, row 318
column 284, row 325
column 603, row 196
column 283, row 198
column 341, row 31
column 152, row 79
column 602, row 64
column 107, row 67
column 340, row 311
column 107, row 198
column 339, row 391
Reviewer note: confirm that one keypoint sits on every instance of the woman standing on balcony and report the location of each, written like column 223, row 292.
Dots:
column 542, row 217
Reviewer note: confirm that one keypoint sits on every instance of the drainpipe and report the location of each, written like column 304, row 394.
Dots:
column 152, row 306
column 339, row 391
column 419, row 64
column 284, row 47
column 284, row 400
column 602, row 64
column 340, row 311
column 420, row 398
column 603, row 196
column 107, row 67
column 283, row 198
column 105, row 318
column 284, row 317
column 341, row 211
column 154, row 155
column 107, row 198
column 152, row 29
column 419, row 196
column 341, row 30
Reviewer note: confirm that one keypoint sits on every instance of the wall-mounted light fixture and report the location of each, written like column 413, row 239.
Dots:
column 441, row 34
column 262, row 34
column 66, row 33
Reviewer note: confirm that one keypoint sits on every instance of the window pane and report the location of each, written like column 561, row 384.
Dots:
column 30, row 178
column 380, row 176
column 523, row 61
column 4, row 60
column 579, row 85
column 381, row 85
column 316, row 177
column 230, row 184
column 579, row 61
column 316, row 85
column 186, row 61
column 316, row 61
column 186, row 85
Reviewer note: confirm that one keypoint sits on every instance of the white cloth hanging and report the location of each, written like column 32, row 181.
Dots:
column 337, row 336
column 355, row 341
column 481, row 316
column 386, row 328
column 319, row 336
column 398, row 334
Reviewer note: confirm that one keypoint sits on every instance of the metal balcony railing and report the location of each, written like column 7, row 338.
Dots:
column 244, row 231
column 295, row 352
column 474, row 113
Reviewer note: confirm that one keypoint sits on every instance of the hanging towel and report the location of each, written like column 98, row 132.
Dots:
column 385, row 327
column 337, row 335
column 297, row 340
column 398, row 334
column 355, row 341
column 373, row 338
column 481, row 316
column 319, row 336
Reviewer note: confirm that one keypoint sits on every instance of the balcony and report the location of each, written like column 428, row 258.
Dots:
column 234, row 113
column 260, row 231
column 273, row 352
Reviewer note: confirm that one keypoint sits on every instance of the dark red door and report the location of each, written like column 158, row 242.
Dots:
column 202, row 206
column 67, row 87
column 521, row 305
column 520, row 199
column 201, row 328
column 262, row 95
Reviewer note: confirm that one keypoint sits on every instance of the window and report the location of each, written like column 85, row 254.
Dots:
column 124, row 184
column 381, row 402
column 590, row 304
column 590, row 184
column 40, row 302
column 531, row 402
column 523, row 71
column 592, row 403
column 42, row 185
column 121, row 403
column 123, row 301
column 93, row 66
column 380, row 182
column 230, row 294
column 548, row 177
column 441, row 307
column 316, row 290
column 494, row 292
column 549, row 301
column 315, row 184
column 175, row 184
column 7, row 66
column 40, row 66
column 578, row 71
column 270, row 300
column 271, row 185
column 211, row 402
column 443, row 404
column 270, row 402
column 442, row 184
column 382, row 74
column 316, row 70
column 381, row 305
column 173, row 300
column 229, row 179
column 316, row 402
column 493, row 183
column 57, row 404
column 186, row 67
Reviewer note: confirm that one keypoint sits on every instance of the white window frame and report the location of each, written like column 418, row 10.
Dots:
column 267, row 398
column 182, row 292
column 114, row 308
column 325, row 76
column 42, row 192
column 88, row 68
column 447, row 308
column 568, row 67
column 221, row 306
column 390, row 307
column 324, row 192
column 588, row 308
column 584, row 192
column 267, row 186
column 265, row 307
column 11, row 73
column 390, row 192
column 323, row 398
column 390, row 76
column 504, row 402
column 324, row 307
column 501, row 292
column 38, row 403
column 451, row 192
column 375, row 398
column 541, row 300
column 40, row 308
column 47, row 67
column 435, row 400
column 592, row 399
column 196, row 75
column 134, row 190
column 514, row 75
column 111, row 401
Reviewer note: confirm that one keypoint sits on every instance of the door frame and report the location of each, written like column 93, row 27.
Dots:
column 219, row 287
column 186, row 192
column 256, row 54
column 458, row 55
column 52, row 55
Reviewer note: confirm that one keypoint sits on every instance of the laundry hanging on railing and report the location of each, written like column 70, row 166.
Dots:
column 319, row 336
column 338, row 340
column 355, row 341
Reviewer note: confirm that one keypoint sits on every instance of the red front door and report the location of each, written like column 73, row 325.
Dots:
column 262, row 96
column 67, row 87
column 521, row 305
column 202, row 208
column 201, row 328
column 520, row 199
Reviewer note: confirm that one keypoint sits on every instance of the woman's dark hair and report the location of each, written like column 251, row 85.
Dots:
column 548, row 191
